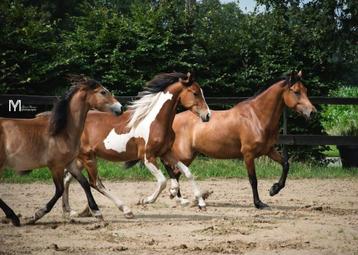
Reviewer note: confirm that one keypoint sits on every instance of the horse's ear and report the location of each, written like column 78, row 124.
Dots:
column 300, row 74
column 188, row 81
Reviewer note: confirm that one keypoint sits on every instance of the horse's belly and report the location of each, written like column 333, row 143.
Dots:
column 24, row 163
column 220, row 150
column 25, row 155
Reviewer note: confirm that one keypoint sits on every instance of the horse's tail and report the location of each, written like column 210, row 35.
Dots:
column 129, row 164
column 24, row 172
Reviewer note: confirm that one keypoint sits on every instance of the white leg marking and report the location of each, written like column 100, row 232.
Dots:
column 161, row 182
column 174, row 187
column 121, row 206
column 197, row 193
column 66, row 208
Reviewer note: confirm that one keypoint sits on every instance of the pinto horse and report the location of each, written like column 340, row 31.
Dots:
column 142, row 133
column 53, row 142
column 248, row 130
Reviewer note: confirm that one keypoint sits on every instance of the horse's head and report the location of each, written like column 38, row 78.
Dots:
column 97, row 96
column 103, row 100
column 295, row 95
column 192, row 98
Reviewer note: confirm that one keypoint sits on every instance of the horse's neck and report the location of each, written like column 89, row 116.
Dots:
column 168, row 111
column 269, row 105
column 77, row 112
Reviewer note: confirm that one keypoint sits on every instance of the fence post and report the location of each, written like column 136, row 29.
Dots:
column 285, row 151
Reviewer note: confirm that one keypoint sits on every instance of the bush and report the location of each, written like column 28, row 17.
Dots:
column 341, row 119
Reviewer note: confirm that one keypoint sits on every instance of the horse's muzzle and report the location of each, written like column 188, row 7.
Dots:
column 116, row 108
column 206, row 117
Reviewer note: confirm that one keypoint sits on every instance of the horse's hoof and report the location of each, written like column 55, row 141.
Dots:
column 97, row 214
column 202, row 208
column 129, row 215
column 85, row 213
column 184, row 202
column 15, row 221
column 30, row 221
column 261, row 205
column 275, row 189
column 141, row 202
column 71, row 214
column 207, row 193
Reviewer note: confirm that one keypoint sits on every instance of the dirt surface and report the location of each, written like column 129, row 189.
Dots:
column 307, row 217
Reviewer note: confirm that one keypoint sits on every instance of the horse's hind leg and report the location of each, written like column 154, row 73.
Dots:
column 57, row 176
column 121, row 206
column 76, row 172
column 174, row 187
column 276, row 187
column 66, row 208
column 9, row 213
column 250, row 166
column 150, row 163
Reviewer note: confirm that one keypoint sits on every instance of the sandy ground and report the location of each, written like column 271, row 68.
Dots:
column 307, row 217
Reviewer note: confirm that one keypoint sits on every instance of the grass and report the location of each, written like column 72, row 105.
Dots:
column 332, row 151
column 202, row 168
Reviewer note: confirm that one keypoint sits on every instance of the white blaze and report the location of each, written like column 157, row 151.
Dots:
column 118, row 142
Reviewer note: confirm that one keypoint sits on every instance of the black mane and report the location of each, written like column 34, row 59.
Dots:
column 290, row 78
column 58, row 119
column 161, row 82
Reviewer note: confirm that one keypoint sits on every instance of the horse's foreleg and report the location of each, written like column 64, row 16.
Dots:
column 250, row 166
column 76, row 172
column 57, row 176
column 174, row 187
column 276, row 187
column 9, row 213
column 150, row 163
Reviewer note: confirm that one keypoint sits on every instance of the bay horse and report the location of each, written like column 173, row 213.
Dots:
column 142, row 133
column 53, row 142
column 248, row 130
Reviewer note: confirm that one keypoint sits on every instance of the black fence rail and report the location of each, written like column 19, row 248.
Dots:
column 284, row 139
column 49, row 100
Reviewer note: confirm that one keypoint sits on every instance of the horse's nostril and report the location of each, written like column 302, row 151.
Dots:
column 207, row 117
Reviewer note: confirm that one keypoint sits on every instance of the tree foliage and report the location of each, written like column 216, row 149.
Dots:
column 125, row 43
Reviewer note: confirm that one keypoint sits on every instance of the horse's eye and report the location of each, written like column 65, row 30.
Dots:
column 195, row 94
column 103, row 92
column 297, row 93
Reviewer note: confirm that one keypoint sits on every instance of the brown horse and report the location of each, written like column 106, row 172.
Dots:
column 248, row 130
column 142, row 133
column 53, row 142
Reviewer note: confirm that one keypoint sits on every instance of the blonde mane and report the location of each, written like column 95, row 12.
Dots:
column 141, row 108
column 150, row 95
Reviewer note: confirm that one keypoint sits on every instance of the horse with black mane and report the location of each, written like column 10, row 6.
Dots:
column 248, row 130
column 55, row 141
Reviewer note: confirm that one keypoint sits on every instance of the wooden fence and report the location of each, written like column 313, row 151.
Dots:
column 284, row 139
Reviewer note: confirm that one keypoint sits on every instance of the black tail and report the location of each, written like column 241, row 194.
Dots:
column 25, row 172
column 129, row 164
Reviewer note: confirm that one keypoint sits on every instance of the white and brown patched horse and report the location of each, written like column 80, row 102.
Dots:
column 55, row 141
column 248, row 130
column 142, row 133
